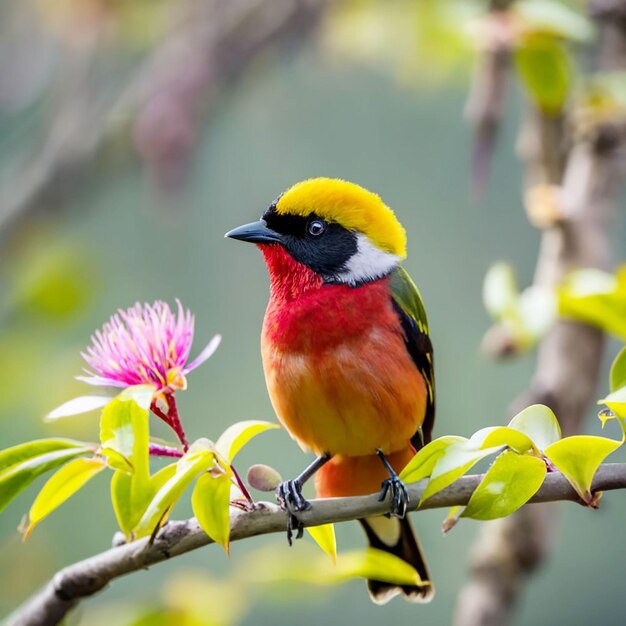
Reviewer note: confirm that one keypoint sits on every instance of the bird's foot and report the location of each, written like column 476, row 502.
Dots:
column 393, row 484
column 399, row 496
column 290, row 498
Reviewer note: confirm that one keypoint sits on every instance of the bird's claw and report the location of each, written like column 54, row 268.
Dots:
column 290, row 498
column 399, row 496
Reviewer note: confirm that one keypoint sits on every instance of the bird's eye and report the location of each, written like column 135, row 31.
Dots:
column 316, row 228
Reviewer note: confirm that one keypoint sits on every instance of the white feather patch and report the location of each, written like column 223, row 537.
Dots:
column 368, row 263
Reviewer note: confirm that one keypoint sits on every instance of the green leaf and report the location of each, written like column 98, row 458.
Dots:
column 198, row 459
column 539, row 423
column 556, row 18
column 124, row 428
column 456, row 461
column 500, row 291
column 211, row 505
column 115, row 460
column 618, row 371
column 508, row 484
column 578, row 459
column 545, row 71
column 131, row 499
column 141, row 394
column 422, row 464
column 82, row 404
column 22, row 464
column 124, row 431
column 237, row 436
column 324, row 536
column 616, row 401
column 377, row 565
column 595, row 297
column 510, row 437
column 61, row 486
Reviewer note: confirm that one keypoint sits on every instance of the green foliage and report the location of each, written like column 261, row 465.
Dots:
column 526, row 448
column 22, row 464
column 141, row 500
column 588, row 295
column 545, row 71
column 597, row 298
column 238, row 435
column 618, row 371
column 210, row 501
column 527, row 315
column 509, row 483
column 578, row 459
column 61, row 486
column 324, row 537
column 196, row 461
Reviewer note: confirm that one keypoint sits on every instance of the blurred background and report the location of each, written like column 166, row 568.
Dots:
column 133, row 135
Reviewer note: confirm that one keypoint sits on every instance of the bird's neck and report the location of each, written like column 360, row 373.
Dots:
column 288, row 278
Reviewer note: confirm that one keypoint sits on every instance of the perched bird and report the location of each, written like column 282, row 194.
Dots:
column 346, row 353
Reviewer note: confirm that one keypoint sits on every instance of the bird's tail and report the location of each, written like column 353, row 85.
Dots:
column 397, row 537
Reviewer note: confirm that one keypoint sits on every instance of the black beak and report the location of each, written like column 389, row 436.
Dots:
column 256, row 232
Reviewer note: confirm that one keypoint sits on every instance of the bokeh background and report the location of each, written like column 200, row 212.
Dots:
column 129, row 145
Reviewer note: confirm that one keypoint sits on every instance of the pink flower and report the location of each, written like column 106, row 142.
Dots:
column 146, row 344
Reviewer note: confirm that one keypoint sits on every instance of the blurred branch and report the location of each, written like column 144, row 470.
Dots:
column 569, row 357
column 85, row 578
column 212, row 43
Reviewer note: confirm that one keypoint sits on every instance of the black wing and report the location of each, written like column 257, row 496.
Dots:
column 410, row 309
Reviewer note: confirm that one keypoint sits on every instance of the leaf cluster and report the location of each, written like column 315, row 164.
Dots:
column 525, row 450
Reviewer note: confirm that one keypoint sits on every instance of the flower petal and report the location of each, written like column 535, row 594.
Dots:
column 204, row 355
column 99, row 381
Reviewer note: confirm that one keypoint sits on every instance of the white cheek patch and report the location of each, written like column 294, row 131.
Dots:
column 368, row 263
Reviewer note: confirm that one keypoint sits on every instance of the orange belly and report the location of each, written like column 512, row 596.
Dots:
column 349, row 399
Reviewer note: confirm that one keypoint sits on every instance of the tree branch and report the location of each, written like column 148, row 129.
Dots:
column 85, row 578
column 569, row 357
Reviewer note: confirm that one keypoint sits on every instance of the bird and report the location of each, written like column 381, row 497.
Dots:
column 347, row 355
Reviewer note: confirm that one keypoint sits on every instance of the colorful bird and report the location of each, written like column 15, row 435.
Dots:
column 346, row 353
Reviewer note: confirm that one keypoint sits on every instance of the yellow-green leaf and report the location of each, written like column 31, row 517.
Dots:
column 60, row 486
column 76, row 406
column 211, row 503
column 578, row 459
column 377, row 565
column 545, row 71
column 422, row 464
column 195, row 462
column 324, row 536
column 618, row 371
column 508, row 484
column 115, row 460
column 539, row 423
column 456, row 461
column 500, row 290
column 616, row 401
column 140, row 394
column 124, row 430
column 237, row 436
column 22, row 464
column 505, row 436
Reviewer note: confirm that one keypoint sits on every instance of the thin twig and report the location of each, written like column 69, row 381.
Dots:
column 85, row 578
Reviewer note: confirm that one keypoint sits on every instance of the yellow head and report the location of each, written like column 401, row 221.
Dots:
column 341, row 231
column 348, row 204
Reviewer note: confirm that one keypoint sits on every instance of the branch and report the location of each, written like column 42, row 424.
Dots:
column 85, row 578
column 569, row 358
